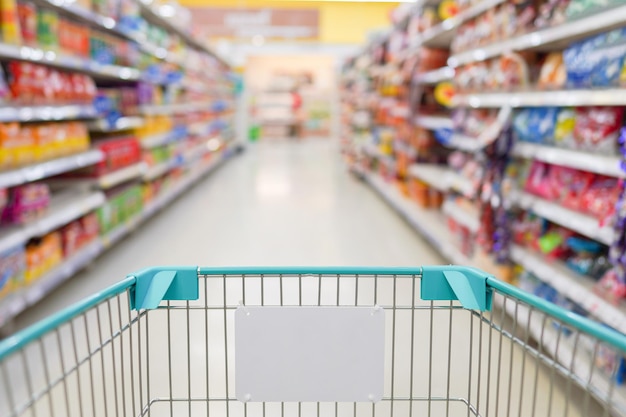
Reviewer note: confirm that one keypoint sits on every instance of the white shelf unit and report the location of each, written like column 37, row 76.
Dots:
column 165, row 109
column 433, row 122
column 151, row 15
column 429, row 223
column 431, row 226
column 68, row 62
column 64, row 208
column 576, row 287
column 466, row 217
column 123, row 123
column 71, row 204
column 555, row 37
column 442, row 34
column 50, row 168
column 160, row 139
column 434, row 76
column 161, row 168
column 555, row 98
column 17, row 302
column 165, row 198
column 443, row 178
column 584, row 224
column 374, row 151
column 122, row 175
column 599, row 164
column 46, row 113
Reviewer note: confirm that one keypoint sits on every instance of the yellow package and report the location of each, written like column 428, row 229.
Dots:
column 25, row 149
column 44, row 136
column 9, row 22
column 9, row 133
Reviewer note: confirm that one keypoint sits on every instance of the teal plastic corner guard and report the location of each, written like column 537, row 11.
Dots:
column 450, row 282
column 157, row 284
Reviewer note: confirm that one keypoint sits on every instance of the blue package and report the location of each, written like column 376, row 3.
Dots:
column 580, row 61
column 536, row 125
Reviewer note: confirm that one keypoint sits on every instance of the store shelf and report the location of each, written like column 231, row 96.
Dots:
column 435, row 76
column 81, row 14
column 552, row 38
column 69, row 62
column 160, row 139
column 122, row 175
column 164, row 199
column 105, row 181
column 429, row 223
column 465, row 217
column 123, row 123
column 489, row 135
column 443, row 178
column 17, row 302
column 196, row 152
column 200, row 128
column 147, row 10
column 167, row 197
column 164, row 109
column 576, row 287
column 64, row 208
column 433, row 122
column 49, row 168
column 582, row 223
column 374, row 151
column 557, row 98
column 161, row 168
column 600, row 164
column 46, row 113
column 441, row 35
column 572, row 357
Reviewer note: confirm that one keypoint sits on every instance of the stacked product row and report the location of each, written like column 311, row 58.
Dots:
column 496, row 128
column 108, row 112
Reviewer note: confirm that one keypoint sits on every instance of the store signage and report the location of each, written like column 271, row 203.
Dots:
column 216, row 22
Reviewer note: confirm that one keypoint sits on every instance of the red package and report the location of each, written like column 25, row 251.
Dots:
column 27, row 14
column 600, row 198
column 568, row 185
column 91, row 226
column 70, row 236
column 597, row 128
column 21, row 81
column 538, row 182
column 119, row 153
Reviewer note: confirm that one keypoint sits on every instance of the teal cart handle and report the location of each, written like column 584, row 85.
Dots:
column 471, row 287
column 467, row 285
column 153, row 285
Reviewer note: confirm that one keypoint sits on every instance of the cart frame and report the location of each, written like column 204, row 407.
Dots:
column 171, row 291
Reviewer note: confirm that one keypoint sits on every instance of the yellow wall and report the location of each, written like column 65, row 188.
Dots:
column 340, row 22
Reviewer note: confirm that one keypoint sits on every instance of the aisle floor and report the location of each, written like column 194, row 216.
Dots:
column 278, row 203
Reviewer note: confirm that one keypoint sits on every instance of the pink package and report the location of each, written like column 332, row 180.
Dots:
column 26, row 203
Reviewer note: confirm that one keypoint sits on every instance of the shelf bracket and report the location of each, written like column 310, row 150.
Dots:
column 154, row 285
column 467, row 285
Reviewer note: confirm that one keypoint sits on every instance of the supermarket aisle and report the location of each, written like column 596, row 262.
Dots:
column 280, row 203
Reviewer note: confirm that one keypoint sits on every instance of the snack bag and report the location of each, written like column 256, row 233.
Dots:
column 553, row 73
column 564, row 128
column 597, row 128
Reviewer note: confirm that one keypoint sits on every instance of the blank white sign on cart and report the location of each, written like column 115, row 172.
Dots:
column 309, row 354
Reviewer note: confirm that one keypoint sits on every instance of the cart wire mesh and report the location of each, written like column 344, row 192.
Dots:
column 102, row 358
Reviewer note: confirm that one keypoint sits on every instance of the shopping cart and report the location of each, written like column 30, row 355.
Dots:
column 239, row 342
